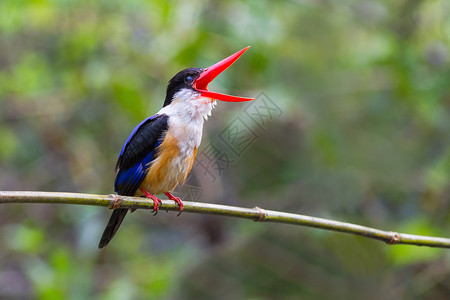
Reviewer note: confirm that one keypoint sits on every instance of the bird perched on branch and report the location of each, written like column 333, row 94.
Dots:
column 160, row 151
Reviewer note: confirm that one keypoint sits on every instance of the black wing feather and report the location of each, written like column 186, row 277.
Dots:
column 143, row 138
column 139, row 150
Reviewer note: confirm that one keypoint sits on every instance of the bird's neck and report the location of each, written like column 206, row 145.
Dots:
column 187, row 113
column 188, row 105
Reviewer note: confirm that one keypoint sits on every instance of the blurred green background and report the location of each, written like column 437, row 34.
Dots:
column 361, row 135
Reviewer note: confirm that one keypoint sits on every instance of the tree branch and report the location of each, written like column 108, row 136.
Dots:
column 255, row 214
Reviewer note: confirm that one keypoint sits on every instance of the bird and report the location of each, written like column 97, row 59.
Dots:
column 160, row 151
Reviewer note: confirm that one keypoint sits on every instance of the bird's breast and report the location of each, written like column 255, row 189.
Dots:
column 175, row 158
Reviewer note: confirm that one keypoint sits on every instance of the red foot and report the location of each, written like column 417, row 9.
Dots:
column 156, row 201
column 177, row 200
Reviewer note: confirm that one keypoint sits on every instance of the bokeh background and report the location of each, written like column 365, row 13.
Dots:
column 358, row 131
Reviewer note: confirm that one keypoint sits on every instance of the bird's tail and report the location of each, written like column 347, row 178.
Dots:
column 113, row 224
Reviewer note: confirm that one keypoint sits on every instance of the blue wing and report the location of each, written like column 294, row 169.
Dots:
column 139, row 150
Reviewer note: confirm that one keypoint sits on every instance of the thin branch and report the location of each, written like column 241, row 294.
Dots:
column 255, row 214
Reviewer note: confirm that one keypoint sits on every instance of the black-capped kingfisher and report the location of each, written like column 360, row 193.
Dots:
column 160, row 151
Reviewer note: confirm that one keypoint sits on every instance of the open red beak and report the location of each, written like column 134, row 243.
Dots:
column 201, row 83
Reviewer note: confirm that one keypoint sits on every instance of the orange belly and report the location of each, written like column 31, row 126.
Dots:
column 169, row 169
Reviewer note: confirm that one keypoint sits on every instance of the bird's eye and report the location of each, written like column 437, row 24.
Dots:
column 189, row 79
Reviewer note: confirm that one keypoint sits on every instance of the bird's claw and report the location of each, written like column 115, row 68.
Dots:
column 177, row 200
column 156, row 202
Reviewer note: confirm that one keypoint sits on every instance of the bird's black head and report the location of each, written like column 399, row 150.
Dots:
column 197, row 79
column 183, row 80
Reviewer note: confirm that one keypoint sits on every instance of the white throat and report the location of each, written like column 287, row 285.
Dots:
column 186, row 113
column 188, row 104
